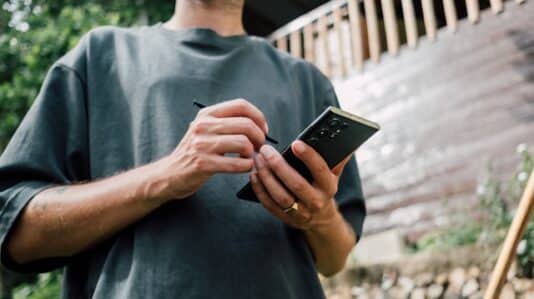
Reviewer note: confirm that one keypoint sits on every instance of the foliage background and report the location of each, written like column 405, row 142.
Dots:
column 35, row 33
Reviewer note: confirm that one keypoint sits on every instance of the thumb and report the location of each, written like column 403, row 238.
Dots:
column 338, row 169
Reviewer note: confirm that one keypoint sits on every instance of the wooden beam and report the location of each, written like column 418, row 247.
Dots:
column 496, row 6
column 322, row 24
column 429, row 18
column 296, row 44
column 340, row 43
column 450, row 15
column 281, row 43
column 372, row 29
column 356, row 33
column 409, row 22
column 390, row 22
column 509, row 248
column 473, row 11
column 309, row 45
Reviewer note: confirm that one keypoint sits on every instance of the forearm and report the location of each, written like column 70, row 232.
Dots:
column 331, row 245
column 65, row 220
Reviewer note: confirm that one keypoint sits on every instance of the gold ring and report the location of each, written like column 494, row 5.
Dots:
column 293, row 208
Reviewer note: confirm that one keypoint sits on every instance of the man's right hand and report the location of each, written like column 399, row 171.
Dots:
column 233, row 127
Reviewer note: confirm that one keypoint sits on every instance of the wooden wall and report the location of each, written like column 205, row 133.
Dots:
column 445, row 109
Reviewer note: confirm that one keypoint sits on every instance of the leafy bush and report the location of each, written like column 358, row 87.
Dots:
column 497, row 200
column 48, row 286
column 33, row 35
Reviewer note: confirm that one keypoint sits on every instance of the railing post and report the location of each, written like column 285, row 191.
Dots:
column 281, row 43
column 390, row 21
column 322, row 24
column 296, row 46
column 309, row 45
column 341, row 45
column 450, row 14
column 496, row 6
column 473, row 10
column 429, row 18
column 372, row 29
column 356, row 33
column 409, row 22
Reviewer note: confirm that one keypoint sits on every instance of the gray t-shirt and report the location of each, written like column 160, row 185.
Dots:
column 123, row 98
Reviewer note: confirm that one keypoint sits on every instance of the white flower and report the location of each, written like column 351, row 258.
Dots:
column 522, row 247
column 522, row 176
column 521, row 148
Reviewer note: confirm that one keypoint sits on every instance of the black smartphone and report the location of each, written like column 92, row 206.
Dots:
column 334, row 134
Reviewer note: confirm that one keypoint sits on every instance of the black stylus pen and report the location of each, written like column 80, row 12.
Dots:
column 199, row 105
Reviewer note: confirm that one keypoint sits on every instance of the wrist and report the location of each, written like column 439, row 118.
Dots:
column 332, row 223
column 155, row 184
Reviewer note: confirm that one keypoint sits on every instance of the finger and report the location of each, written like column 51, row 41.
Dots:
column 295, row 182
column 274, row 188
column 322, row 175
column 237, row 107
column 225, row 144
column 216, row 164
column 296, row 218
column 338, row 169
column 239, row 125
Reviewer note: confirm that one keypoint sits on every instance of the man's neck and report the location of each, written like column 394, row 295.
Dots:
column 219, row 16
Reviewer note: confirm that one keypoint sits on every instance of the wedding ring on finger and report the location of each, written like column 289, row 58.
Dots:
column 293, row 208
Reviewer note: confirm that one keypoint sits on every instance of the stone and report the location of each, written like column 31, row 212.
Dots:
column 418, row 293
column 528, row 295
column 507, row 292
column 522, row 284
column 397, row 292
column 406, row 284
column 442, row 278
column 434, row 291
column 424, row 279
column 477, row 295
column 377, row 293
column 357, row 292
column 451, row 294
column 512, row 271
column 379, row 249
column 470, row 287
column 457, row 279
column 473, row 272
column 389, row 279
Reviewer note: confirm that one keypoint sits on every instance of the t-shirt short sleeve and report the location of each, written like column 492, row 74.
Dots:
column 49, row 148
column 349, row 196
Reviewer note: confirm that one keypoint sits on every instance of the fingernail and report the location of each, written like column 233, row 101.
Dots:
column 299, row 147
column 268, row 151
column 258, row 161
column 266, row 127
column 253, row 178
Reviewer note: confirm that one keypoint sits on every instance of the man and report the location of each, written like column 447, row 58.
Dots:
column 115, row 175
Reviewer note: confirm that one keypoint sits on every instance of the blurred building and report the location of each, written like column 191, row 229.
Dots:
column 450, row 81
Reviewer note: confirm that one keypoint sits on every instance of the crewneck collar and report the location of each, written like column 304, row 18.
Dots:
column 203, row 36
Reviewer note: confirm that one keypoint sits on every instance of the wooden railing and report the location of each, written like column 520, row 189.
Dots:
column 341, row 35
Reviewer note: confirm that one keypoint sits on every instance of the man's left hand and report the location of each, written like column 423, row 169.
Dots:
column 278, row 186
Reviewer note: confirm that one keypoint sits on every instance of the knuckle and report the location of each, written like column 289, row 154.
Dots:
column 197, row 126
column 299, row 187
column 285, row 200
column 198, row 144
column 318, row 204
column 203, row 111
column 200, row 164
column 241, row 103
